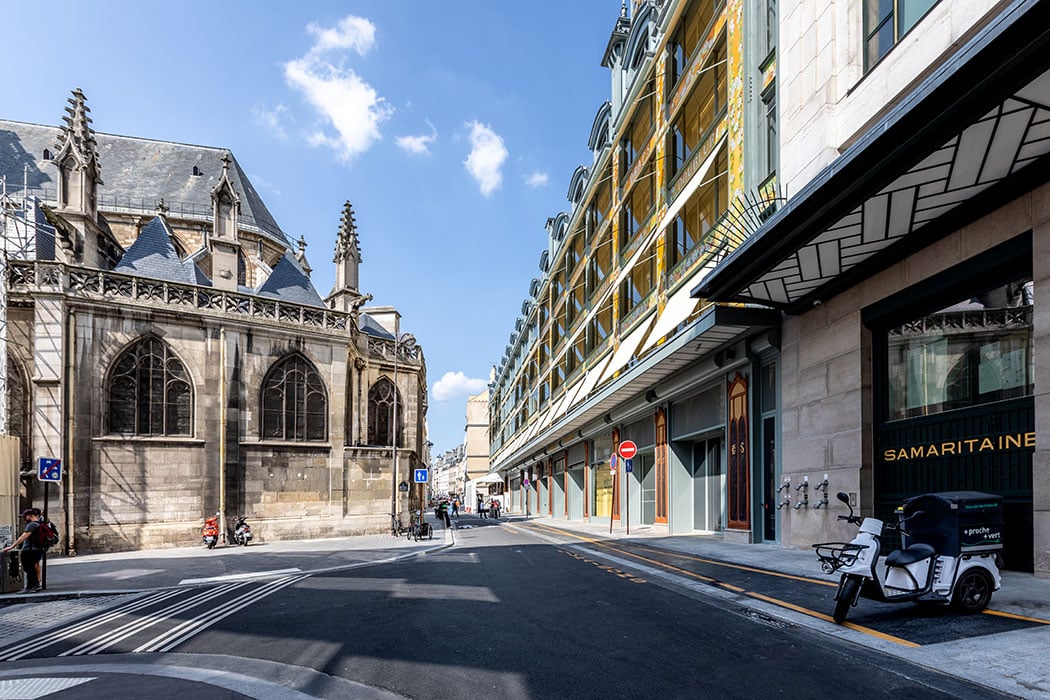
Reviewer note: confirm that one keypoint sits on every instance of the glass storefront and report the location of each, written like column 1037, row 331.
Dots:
column 602, row 493
column 974, row 352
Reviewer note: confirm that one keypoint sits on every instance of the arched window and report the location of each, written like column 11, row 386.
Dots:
column 149, row 392
column 294, row 402
column 381, row 400
column 18, row 412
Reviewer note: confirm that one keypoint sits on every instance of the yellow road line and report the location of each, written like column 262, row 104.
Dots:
column 822, row 616
column 768, row 599
column 1012, row 616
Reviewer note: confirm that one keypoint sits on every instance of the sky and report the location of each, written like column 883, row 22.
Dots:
column 452, row 127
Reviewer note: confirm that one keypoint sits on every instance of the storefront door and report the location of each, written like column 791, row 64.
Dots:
column 707, row 485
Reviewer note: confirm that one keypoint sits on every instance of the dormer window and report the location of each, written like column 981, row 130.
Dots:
column 47, row 154
column 196, row 171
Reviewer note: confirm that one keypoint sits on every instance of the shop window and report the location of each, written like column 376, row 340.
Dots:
column 698, row 216
column 702, row 109
column 691, row 30
column 639, row 283
column 886, row 22
column 600, row 263
column 637, row 208
column 149, row 392
column 294, row 402
column 974, row 352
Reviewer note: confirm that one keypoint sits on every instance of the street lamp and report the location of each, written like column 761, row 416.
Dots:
column 407, row 341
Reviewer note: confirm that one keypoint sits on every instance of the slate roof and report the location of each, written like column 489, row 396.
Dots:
column 136, row 173
column 288, row 282
column 371, row 327
column 153, row 255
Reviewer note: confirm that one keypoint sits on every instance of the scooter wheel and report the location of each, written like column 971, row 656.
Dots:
column 973, row 591
column 847, row 595
column 211, row 545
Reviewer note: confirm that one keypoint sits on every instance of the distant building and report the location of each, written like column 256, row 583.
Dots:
column 164, row 340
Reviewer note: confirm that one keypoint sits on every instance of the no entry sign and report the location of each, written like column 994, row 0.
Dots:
column 628, row 449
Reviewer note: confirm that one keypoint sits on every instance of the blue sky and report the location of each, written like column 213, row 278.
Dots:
column 453, row 128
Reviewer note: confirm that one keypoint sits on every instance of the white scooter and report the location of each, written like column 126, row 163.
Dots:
column 951, row 551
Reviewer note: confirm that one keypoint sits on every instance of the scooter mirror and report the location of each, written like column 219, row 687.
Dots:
column 842, row 497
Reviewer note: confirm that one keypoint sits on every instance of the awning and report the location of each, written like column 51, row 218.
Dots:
column 970, row 138
column 488, row 479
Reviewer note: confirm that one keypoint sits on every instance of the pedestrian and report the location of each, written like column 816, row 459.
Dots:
column 444, row 514
column 496, row 506
column 32, row 549
column 455, row 507
column 481, row 508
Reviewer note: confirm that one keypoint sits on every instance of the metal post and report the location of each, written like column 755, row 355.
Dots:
column 393, row 426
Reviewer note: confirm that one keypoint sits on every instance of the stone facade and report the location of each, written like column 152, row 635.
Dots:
column 70, row 323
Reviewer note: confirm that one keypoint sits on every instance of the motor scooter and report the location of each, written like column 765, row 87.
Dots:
column 951, row 543
column 210, row 531
column 242, row 532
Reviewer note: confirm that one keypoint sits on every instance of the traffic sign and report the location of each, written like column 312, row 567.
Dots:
column 403, row 487
column 628, row 449
column 628, row 465
column 49, row 469
column 421, row 476
column 612, row 463
column 525, row 483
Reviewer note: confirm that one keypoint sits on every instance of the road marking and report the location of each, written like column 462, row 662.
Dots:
column 126, row 630
column 238, row 577
column 194, row 626
column 27, row 647
column 813, row 613
column 1013, row 616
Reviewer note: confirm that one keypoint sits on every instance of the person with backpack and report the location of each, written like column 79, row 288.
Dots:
column 33, row 540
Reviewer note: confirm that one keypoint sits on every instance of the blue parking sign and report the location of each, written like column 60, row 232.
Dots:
column 49, row 469
column 420, row 476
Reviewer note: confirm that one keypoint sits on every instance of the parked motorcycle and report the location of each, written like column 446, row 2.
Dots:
column 951, row 543
column 242, row 532
column 210, row 531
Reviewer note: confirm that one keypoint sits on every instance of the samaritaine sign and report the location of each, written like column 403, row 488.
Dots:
column 995, row 443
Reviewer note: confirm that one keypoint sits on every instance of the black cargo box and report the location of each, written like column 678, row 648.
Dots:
column 954, row 522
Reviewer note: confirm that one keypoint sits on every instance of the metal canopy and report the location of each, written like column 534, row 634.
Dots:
column 973, row 136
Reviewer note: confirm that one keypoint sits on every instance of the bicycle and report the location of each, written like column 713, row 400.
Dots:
column 396, row 528
column 420, row 527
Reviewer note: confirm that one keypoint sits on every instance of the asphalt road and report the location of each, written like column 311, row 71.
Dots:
column 502, row 614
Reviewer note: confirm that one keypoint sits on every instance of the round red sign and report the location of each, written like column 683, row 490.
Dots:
column 628, row 449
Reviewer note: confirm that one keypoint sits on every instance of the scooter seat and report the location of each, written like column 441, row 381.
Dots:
column 910, row 555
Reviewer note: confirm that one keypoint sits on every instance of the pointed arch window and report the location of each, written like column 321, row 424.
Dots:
column 294, row 402
column 18, row 412
column 382, row 400
column 149, row 392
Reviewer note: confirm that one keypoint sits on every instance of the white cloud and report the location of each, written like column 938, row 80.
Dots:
column 454, row 384
column 355, row 33
column 536, row 179
column 487, row 155
column 418, row 145
column 341, row 98
column 273, row 120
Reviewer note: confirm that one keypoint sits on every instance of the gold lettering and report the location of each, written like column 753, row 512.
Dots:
column 889, row 455
column 947, row 448
column 971, row 443
column 931, row 451
column 1013, row 441
column 916, row 452
column 1029, row 439
column 903, row 454
column 987, row 444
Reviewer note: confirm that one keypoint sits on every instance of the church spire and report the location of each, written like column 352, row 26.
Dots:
column 346, row 243
column 345, row 293
column 78, row 138
column 79, row 176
